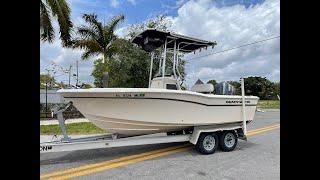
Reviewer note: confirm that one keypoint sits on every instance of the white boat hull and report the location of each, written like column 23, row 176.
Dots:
column 135, row 111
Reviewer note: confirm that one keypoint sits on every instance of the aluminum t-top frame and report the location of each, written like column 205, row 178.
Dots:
column 152, row 39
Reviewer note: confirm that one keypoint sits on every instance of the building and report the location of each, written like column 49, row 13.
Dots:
column 225, row 88
column 52, row 96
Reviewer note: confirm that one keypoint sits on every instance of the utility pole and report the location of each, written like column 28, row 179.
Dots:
column 77, row 74
column 70, row 76
column 47, row 93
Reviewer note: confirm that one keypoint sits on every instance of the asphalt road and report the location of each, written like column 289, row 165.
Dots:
column 258, row 158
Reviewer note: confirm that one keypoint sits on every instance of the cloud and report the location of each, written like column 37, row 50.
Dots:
column 64, row 57
column 133, row 2
column 228, row 25
column 54, row 53
column 177, row 4
column 231, row 26
column 114, row 3
column 122, row 32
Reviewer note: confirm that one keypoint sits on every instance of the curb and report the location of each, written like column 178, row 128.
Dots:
column 68, row 121
column 271, row 110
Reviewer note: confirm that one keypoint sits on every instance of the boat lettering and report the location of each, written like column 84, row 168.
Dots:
column 130, row 95
column 236, row 101
column 45, row 148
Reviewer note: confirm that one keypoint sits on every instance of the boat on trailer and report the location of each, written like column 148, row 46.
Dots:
column 198, row 116
column 163, row 106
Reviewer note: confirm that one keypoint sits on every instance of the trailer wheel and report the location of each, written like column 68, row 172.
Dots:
column 207, row 143
column 228, row 140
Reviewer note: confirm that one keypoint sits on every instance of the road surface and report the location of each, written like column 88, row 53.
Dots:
column 258, row 158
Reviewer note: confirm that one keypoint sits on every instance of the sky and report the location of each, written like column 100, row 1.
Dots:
column 228, row 22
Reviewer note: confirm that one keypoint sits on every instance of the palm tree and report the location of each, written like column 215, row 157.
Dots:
column 96, row 38
column 60, row 10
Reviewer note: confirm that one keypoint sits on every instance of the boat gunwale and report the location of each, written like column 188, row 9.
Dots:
column 148, row 90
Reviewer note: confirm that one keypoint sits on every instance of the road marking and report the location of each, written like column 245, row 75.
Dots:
column 97, row 167
column 251, row 133
column 266, row 127
column 119, row 164
column 71, row 170
column 263, row 128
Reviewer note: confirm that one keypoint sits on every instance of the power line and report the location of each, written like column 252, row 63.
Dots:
column 254, row 27
column 237, row 47
column 258, row 28
column 250, row 14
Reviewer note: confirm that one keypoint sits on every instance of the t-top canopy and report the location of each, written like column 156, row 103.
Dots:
column 152, row 39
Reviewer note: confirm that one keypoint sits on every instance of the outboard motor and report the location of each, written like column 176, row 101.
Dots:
column 225, row 88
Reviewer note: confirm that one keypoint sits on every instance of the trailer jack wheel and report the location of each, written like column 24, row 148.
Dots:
column 207, row 143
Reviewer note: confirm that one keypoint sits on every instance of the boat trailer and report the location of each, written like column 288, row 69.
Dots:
column 205, row 138
column 112, row 140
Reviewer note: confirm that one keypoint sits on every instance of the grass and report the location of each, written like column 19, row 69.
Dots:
column 269, row 104
column 74, row 128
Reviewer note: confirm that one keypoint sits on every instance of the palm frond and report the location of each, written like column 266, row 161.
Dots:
column 112, row 25
column 109, row 29
column 91, row 47
column 95, row 38
column 88, row 54
column 92, row 20
column 46, row 29
column 61, row 10
column 87, row 32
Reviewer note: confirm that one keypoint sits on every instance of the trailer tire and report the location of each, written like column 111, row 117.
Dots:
column 207, row 143
column 228, row 140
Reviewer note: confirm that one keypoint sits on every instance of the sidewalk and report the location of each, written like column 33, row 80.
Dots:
column 68, row 121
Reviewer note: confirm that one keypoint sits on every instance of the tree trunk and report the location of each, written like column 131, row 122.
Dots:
column 105, row 77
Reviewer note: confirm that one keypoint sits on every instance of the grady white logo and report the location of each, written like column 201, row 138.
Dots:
column 45, row 148
column 236, row 101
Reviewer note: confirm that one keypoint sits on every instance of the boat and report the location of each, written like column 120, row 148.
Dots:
column 163, row 106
